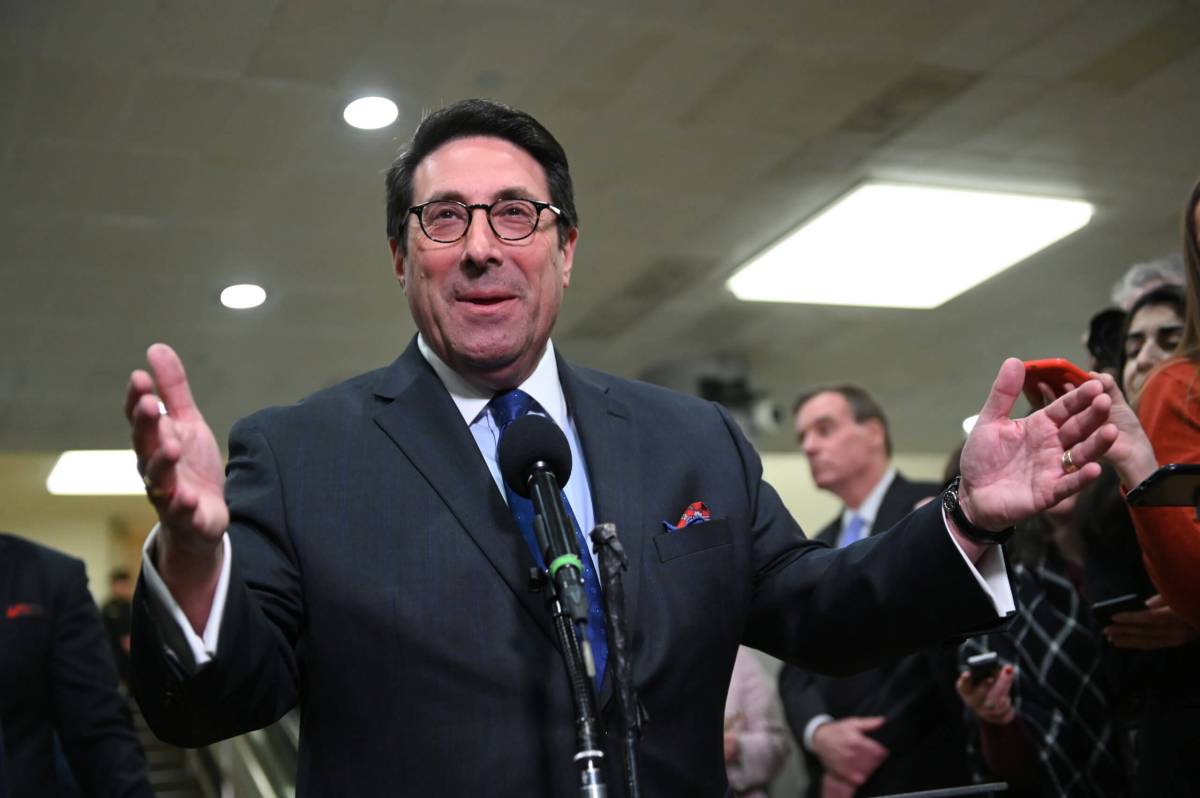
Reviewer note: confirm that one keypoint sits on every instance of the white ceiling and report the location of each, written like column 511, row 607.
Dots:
column 153, row 151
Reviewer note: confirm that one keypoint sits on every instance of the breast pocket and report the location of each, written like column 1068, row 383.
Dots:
column 693, row 539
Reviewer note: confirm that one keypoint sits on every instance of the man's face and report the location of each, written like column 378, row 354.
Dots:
column 838, row 448
column 485, row 305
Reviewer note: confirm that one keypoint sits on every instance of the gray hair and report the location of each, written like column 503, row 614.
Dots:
column 1146, row 276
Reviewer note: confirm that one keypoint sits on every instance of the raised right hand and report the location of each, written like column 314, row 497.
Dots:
column 177, row 456
column 846, row 751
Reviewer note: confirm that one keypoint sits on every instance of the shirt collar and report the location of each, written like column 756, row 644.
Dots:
column 543, row 385
column 869, row 509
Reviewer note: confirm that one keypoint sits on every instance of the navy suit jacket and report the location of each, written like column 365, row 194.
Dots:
column 57, row 677
column 924, row 730
column 380, row 582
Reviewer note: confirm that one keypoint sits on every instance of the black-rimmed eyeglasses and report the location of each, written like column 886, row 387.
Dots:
column 446, row 221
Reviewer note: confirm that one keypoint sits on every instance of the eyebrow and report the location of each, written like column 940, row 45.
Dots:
column 511, row 192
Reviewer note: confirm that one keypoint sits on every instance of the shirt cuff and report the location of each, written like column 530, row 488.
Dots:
column 203, row 647
column 810, row 728
column 990, row 572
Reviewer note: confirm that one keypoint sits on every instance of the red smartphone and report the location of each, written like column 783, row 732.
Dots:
column 1055, row 372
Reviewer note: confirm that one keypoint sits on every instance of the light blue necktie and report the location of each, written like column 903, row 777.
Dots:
column 854, row 530
column 505, row 408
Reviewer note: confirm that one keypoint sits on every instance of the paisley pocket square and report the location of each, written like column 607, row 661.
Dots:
column 696, row 513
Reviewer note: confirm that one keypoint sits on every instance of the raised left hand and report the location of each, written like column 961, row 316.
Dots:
column 1013, row 468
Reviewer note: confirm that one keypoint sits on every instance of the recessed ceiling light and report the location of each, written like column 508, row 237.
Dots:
column 370, row 113
column 243, row 296
column 95, row 472
column 905, row 246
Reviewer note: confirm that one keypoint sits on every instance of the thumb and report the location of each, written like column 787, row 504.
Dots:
column 1005, row 391
column 868, row 724
column 1156, row 601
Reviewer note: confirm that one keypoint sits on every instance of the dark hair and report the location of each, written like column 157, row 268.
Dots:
column 479, row 118
column 1169, row 295
column 862, row 405
column 1105, row 341
column 1189, row 346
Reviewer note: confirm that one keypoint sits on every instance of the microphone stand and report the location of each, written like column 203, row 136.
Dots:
column 589, row 752
column 632, row 714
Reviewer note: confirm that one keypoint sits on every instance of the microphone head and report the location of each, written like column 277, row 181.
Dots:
column 528, row 440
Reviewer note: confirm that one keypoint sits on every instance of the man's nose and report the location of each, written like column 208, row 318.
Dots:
column 481, row 247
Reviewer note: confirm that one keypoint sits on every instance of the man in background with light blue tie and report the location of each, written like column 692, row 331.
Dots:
column 894, row 728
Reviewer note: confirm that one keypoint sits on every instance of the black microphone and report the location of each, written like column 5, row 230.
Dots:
column 535, row 460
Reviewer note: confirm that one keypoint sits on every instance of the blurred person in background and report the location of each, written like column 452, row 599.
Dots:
column 58, row 684
column 117, row 612
column 756, row 744
column 896, row 727
column 1168, row 432
column 1046, row 722
column 1169, row 412
column 1144, row 277
column 1151, row 334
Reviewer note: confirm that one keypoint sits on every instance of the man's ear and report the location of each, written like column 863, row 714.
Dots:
column 397, row 259
column 878, row 435
column 568, row 254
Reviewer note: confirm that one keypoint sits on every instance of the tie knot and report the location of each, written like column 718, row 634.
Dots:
column 507, row 406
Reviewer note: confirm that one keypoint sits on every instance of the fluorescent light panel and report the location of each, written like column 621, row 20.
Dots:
column 905, row 246
column 95, row 472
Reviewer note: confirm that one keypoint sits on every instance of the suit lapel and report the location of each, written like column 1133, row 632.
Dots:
column 419, row 416
column 896, row 504
column 608, row 436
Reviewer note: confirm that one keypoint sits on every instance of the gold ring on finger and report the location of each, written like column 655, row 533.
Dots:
column 1068, row 463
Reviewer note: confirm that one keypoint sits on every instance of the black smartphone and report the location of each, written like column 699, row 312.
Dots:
column 1105, row 610
column 982, row 666
column 1173, row 485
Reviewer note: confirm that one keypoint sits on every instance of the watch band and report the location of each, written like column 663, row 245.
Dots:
column 976, row 533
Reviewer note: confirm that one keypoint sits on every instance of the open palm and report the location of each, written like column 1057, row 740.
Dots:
column 1013, row 468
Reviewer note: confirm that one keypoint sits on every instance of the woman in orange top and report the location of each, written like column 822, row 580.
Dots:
column 1169, row 409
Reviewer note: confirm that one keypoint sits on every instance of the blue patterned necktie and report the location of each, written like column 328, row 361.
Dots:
column 854, row 530
column 505, row 408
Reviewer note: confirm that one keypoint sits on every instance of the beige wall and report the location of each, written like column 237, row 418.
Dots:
column 788, row 474
column 103, row 531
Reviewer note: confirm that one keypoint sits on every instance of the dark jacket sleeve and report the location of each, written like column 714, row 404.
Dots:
column 254, row 678
column 92, row 718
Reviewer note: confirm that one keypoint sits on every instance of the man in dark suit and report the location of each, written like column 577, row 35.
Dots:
column 897, row 727
column 57, row 679
column 359, row 557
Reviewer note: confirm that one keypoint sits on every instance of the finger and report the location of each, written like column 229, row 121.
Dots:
column 1085, row 421
column 145, row 431
column 1073, row 402
column 999, row 690
column 1046, row 393
column 1070, row 484
column 171, row 380
column 139, row 385
column 1005, row 390
column 1148, row 642
column 869, row 723
column 1156, row 601
column 1095, row 446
